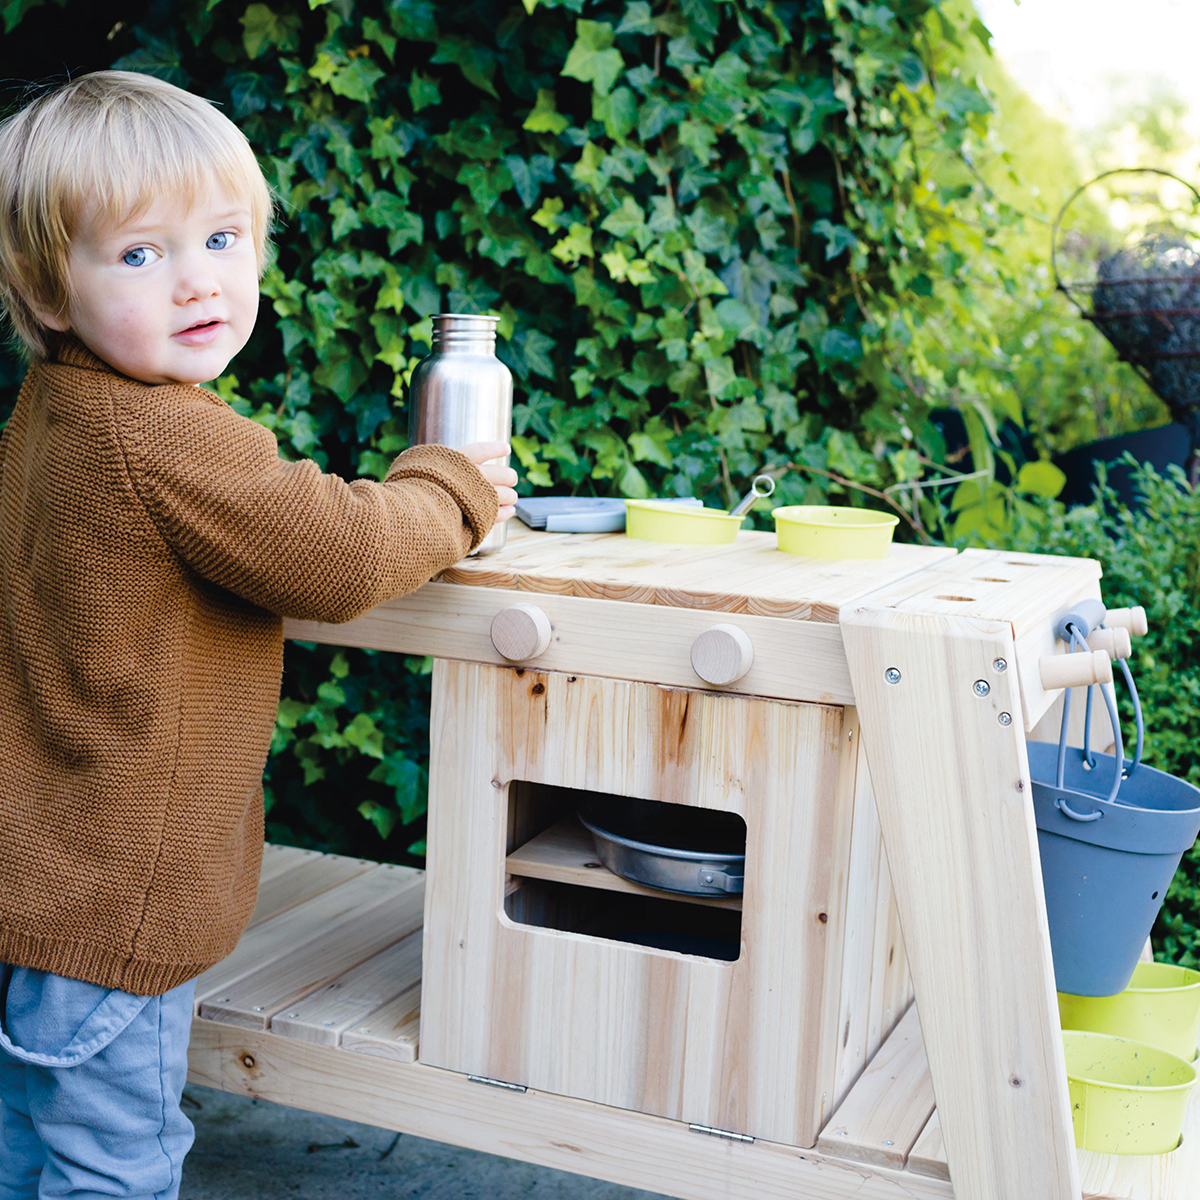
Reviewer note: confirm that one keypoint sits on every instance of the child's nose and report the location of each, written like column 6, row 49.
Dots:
column 196, row 281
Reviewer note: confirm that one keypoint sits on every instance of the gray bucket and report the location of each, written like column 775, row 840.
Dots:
column 1106, row 867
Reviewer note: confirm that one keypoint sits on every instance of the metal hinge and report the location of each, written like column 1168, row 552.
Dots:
column 508, row 1087
column 722, row 1133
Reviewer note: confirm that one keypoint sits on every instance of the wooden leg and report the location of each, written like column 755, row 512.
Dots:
column 951, row 782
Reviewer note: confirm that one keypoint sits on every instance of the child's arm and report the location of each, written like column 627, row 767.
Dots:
column 285, row 535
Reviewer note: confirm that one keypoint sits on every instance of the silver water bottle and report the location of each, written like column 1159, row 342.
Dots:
column 462, row 393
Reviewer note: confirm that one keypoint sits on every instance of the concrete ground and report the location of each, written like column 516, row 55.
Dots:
column 252, row 1150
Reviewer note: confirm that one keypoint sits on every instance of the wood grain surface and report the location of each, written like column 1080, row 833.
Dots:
column 750, row 575
column 952, row 789
column 736, row 1045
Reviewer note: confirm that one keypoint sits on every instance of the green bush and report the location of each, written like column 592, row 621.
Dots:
column 1150, row 556
column 709, row 229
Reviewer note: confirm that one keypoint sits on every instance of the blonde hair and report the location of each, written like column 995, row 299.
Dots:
column 103, row 147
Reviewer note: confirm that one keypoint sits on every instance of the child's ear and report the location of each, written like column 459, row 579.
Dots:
column 52, row 316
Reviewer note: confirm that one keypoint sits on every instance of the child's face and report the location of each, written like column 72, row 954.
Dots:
column 169, row 296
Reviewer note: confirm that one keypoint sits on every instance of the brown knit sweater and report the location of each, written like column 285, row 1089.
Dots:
column 150, row 541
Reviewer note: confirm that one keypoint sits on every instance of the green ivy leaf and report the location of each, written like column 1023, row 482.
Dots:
column 593, row 58
column 264, row 29
column 423, row 92
column 384, row 819
column 837, row 237
column 357, row 79
column 638, row 19
column 474, row 61
column 543, row 118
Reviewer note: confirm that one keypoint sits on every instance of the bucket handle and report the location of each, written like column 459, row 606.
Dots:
column 1110, row 700
column 1139, row 721
column 1067, row 811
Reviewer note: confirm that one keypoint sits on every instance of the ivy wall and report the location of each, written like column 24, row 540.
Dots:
column 712, row 230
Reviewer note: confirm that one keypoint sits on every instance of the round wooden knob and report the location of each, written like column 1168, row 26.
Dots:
column 521, row 631
column 722, row 654
column 1075, row 670
column 1115, row 642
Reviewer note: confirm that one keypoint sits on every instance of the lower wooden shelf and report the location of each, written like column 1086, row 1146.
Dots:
column 318, row 1007
column 889, row 1118
column 565, row 853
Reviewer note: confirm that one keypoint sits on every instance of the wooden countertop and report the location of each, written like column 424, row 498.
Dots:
column 750, row 575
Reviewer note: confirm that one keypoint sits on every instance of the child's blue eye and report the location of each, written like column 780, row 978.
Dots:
column 219, row 241
column 139, row 256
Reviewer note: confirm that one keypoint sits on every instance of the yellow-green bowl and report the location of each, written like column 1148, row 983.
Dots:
column 1126, row 1097
column 1161, row 1007
column 829, row 531
column 653, row 521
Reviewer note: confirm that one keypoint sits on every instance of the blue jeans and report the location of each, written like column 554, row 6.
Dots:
column 90, row 1084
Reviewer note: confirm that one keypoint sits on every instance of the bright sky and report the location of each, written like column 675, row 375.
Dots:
column 1064, row 52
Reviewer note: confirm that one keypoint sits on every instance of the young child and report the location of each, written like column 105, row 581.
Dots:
column 151, row 540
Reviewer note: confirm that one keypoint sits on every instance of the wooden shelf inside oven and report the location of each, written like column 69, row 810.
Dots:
column 565, row 853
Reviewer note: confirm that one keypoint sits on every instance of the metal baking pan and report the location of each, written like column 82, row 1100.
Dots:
column 691, row 851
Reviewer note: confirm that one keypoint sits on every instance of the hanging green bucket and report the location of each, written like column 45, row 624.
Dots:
column 1126, row 1097
column 1161, row 1007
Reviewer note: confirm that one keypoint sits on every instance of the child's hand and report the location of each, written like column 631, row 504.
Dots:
column 503, row 479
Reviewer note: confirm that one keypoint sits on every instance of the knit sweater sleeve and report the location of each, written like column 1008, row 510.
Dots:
column 285, row 535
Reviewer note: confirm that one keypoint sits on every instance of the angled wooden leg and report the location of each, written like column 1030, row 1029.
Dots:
column 951, row 781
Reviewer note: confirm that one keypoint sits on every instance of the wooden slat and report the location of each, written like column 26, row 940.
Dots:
column 565, row 853
column 278, row 859
column 595, row 1140
column 793, row 660
column 1173, row 1176
column 749, row 575
column 928, row 1155
column 271, row 940
column 887, row 1108
column 392, row 1032
column 953, row 793
column 323, row 1016
column 325, row 954
column 307, row 877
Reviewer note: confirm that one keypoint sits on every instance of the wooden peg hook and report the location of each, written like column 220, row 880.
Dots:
column 1131, row 619
column 1115, row 642
column 1075, row 670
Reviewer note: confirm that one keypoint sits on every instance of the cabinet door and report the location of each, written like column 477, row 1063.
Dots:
column 743, row 1045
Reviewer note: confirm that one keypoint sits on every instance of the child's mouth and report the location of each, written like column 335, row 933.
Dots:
column 200, row 333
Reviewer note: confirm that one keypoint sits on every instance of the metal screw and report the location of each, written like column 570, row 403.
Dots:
column 364, row 1031
column 1005, row 718
column 328, row 1022
column 892, row 675
column 982, row 687
column 1001, row 665
column 889, row 1143
column 258, row 1008
column 708, row 879
column 293, row 1014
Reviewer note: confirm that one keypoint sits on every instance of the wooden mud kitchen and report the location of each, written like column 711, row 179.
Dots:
column 866, row 720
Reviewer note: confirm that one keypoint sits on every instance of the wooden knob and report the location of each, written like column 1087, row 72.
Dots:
column 722, row 654
column 1115, row 642
column 520, row 632
column 1133, row 619
column 1075, row 670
